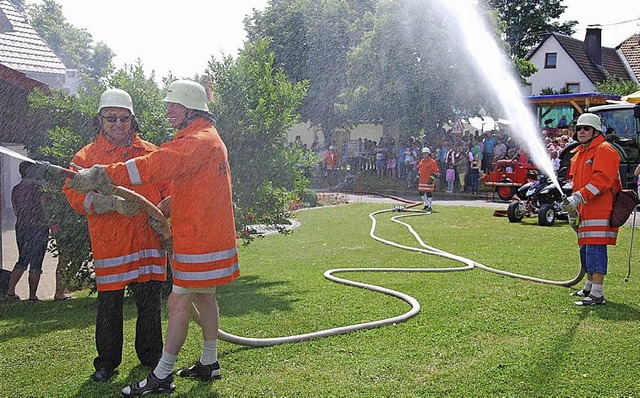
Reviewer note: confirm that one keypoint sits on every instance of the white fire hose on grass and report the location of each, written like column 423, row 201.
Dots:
column 415, row 305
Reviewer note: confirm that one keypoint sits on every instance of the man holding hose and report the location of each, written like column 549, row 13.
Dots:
column 126, row 251
column 594, row 171
column 204, row 237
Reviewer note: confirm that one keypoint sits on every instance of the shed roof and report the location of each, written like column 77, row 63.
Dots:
column 630, row 48
column 21, row 48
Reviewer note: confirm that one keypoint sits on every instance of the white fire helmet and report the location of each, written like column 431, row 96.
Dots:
column 189, row 94
column 426, row 150
column 115, row 98
column 590, row 119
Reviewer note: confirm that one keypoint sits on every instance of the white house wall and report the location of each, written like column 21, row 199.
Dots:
column 566, row 71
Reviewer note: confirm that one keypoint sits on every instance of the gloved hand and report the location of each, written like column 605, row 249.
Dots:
column 570, row 204
column 432, row 180
column 103, row 204
column 157, row 225
column 92, row 179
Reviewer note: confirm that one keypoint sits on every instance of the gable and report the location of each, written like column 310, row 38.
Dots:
column 21, row 48
column 612, row 65
column 630, row 49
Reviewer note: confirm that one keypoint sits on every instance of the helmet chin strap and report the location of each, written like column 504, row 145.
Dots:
column 595, row 134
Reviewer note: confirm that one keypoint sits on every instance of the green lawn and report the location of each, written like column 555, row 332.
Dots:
column 478, row 334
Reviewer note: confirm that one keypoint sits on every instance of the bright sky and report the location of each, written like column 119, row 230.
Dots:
column 182, row 36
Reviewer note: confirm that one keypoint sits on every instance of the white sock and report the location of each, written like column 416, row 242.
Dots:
column 596, row 290
column 209, row 352
column 587, row 286
column 165, row 365
column 425, row 199
column 429, row 201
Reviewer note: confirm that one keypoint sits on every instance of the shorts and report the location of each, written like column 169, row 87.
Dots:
column 187, row 290
column 593, row 259
column 32, row 243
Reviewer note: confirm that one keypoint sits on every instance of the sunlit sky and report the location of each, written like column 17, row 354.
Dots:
column 182, row 36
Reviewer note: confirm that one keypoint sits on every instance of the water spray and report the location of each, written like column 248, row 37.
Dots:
column 496, row 68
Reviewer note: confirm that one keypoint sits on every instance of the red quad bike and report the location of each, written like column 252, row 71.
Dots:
column 508, row 176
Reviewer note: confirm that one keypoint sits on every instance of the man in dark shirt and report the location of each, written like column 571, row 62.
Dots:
column 32, row 231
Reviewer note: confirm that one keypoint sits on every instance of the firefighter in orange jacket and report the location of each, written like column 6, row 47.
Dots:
column 594, row 170
column 428, row 171
column 204, row 235
column 126, row 251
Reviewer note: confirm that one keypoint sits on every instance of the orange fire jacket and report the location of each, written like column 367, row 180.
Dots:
column 204, row 236
column 426, row 169
column 125, row 249
column 595, row 174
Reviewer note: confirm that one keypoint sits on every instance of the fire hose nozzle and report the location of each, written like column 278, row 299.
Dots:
column 58, row 169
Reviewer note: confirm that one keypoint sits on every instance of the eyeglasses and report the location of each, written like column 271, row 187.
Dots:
column 113, row 119
column 585, row 128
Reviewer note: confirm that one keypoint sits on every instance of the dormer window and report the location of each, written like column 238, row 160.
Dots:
column 550, row 60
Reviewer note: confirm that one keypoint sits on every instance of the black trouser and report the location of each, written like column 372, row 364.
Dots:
column 109, row 324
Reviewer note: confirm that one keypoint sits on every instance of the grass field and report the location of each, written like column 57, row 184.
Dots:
column 478, row 334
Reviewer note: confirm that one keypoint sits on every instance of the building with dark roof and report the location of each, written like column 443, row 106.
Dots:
column 575, row 66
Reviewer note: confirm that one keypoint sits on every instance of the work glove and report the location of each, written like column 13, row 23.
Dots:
column 104, row 204
column 432, row 180
column 92, row 179
column 570, row 204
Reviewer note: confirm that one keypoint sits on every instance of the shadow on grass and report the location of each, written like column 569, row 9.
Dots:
column 248, row 295
column 615, row 311
column 29, row 320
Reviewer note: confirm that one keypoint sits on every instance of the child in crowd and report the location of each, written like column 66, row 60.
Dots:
column 450, row 177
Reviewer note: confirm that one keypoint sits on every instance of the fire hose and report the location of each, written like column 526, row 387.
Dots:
column 157, row 215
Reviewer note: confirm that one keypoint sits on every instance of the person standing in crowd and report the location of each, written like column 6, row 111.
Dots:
column 32, row 230
column 126, row 250
column 428, row 173
column 474, row 174
column 594, row 170
column 204, row 236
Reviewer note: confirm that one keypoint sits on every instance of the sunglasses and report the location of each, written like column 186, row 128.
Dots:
column 585, row 128
column 113, row 119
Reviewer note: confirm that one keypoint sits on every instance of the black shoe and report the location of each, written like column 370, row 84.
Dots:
column 102, row 375
column 202, row 372
column 591, row 300
column 153, row 385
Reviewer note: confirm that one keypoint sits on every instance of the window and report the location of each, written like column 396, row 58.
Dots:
column 550, row 60
column 572, row 88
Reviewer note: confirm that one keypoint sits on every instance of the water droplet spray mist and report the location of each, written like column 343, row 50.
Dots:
column 496, row 68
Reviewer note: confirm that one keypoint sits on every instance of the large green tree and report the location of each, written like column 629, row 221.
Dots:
column 527, row 21
column 73, row 45
column 256, row 105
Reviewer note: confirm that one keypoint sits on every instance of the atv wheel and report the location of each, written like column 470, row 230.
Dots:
column 505, row 192
column 546, row 215
column 515, row 211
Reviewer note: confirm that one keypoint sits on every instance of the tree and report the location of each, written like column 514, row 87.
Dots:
column 256, row 104
column 311, row 40
column 73, row 45
column 528, row 20
column 617, row 87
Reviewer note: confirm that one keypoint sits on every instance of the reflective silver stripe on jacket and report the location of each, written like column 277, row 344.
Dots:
column 206, row 257
column 592, row 189
column 597, row 234
column 206, row 275
column 133, row 274
column 594, row 223
column 134, row 174
column 129, row 258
